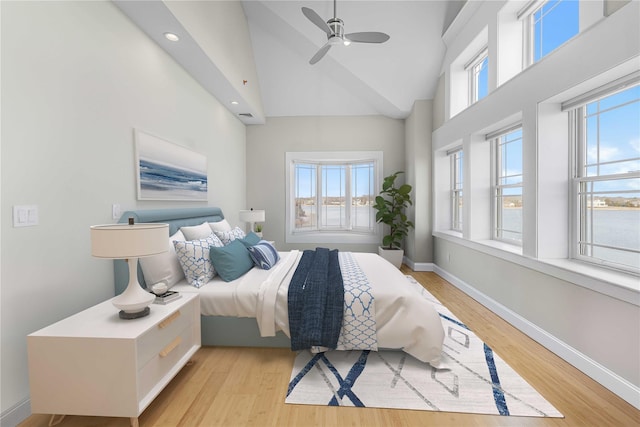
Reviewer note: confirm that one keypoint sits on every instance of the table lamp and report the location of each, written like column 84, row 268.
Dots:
column 252, row 216
column 130, row 242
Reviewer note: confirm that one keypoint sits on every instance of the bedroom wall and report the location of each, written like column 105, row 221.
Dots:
column 267, row 145
column 419, row 242
column 77, row 77
column 568, row 313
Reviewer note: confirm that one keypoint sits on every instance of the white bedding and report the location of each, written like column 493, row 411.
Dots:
column 404, row 319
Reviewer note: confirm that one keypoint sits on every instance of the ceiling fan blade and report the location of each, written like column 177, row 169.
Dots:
column 367, row 37
column 319, row 54
column 315, row 18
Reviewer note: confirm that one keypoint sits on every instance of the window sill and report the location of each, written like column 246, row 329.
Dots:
column 616, row 284
column 332, row 237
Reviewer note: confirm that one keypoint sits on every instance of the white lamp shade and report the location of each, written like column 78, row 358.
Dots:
column 120, row 241
column 252, row 215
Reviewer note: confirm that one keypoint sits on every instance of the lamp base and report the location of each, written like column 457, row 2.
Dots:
column 124, row 315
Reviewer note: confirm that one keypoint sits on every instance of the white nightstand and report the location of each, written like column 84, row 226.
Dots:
column 94, row 363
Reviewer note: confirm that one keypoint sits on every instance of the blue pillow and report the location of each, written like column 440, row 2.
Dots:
column 264, row 255
column 231, row 261
column 251, row 239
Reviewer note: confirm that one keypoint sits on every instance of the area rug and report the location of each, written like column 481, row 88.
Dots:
column 473, row 379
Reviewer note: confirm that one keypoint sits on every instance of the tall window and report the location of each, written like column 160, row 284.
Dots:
column 607, row 178
column 478, row 76
column 332, row 195
column 548, row 24
column 507, row 186
column 456, row 157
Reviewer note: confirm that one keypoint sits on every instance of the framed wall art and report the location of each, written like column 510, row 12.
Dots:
column 167, row 171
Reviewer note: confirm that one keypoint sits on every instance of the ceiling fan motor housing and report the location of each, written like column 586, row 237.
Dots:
column 337, row 30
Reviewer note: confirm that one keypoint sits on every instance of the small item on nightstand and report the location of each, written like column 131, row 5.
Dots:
column 160, row 288
column 167, row 297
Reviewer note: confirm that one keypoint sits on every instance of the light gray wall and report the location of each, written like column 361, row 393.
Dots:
column 419, row 243
column 267, row 145
column 602, row 327
column 77, row 78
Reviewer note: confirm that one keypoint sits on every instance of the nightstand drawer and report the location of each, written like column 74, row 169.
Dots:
column 161, row 335
column 164, row 360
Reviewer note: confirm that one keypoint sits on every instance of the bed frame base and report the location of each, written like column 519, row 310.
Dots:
column 237, row 332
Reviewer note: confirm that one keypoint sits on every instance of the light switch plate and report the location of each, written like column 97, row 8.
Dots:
column 25, row 215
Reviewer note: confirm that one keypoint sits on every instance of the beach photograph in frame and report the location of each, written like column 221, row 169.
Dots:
column 167, row 171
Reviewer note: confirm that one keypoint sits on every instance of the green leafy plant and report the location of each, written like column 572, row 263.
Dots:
column 258, row 228
column 390, row 206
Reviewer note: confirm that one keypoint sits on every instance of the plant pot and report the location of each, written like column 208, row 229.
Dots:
column 394, row 256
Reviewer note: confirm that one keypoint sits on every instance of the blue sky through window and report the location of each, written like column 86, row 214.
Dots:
column 483, row 79
column 334, row 180
column 554, row 23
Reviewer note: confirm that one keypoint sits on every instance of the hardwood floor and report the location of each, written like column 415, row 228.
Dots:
column 247, row 386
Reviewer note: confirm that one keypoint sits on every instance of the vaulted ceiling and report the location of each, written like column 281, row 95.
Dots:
column 359, row 79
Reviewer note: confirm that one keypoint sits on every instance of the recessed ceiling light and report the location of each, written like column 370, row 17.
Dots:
column 172, row 37
column 235, row 102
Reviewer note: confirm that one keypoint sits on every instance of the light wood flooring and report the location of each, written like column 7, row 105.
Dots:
column 247, row 386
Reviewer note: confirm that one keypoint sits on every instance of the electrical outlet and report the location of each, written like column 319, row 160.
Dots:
column 115, row 211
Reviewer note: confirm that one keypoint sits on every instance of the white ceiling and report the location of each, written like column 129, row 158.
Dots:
column 360, row 79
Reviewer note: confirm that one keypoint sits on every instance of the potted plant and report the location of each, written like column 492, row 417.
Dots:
column 390, row 206
column 258, row 230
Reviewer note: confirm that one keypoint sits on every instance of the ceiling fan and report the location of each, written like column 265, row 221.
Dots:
column 334, row 28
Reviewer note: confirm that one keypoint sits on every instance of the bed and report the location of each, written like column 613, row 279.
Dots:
column 252, row 310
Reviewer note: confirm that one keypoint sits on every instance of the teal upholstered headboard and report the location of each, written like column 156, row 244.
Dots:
column 176, row 218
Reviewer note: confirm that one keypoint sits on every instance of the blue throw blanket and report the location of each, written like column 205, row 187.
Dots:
column 316, row 300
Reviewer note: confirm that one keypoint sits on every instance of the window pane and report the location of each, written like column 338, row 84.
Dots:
column 508, row 203
column 333, row 196
column 363, row 196
column 612, row 132
column 456, row 189
column 610, row 220
column 554, row 23
column 305, row 188
column 609, row 209
column 481, row 79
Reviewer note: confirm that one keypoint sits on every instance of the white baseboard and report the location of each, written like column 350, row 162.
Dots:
column 612, row 381
column 16, row 414
column 418, row 266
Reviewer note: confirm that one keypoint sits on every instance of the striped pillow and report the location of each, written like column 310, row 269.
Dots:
column 264, row 255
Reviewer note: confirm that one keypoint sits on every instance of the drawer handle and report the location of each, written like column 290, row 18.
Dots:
column 166, row 322
column 168, row 349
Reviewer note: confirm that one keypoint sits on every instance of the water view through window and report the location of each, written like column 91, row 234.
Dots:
column 342, row 202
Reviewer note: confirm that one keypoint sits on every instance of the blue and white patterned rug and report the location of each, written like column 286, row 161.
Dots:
column 474, row 379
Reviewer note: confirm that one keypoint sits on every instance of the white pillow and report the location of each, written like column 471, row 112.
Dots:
column 195, row 260
column 196, row 232
column 229, row 236
column 163, row 267
column 220, row 226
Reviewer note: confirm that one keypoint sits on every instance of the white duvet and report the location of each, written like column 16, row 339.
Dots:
column 404, row 319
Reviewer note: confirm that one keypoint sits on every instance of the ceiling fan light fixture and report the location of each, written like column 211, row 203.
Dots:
column 346, row 41
column 335, row 40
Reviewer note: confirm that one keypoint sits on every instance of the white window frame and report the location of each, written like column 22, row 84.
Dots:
column 456, row 159
column 497, row 188
column 527, row 15
column 473, row 68
column 329, row 234
column 579, row 225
